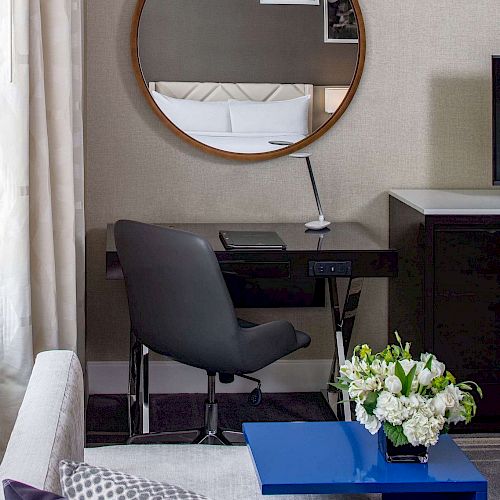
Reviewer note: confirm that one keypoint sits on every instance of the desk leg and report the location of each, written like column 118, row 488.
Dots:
column 138, row 393
column 343, row 323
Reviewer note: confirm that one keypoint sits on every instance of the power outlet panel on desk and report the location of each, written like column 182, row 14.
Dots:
column 330, row 268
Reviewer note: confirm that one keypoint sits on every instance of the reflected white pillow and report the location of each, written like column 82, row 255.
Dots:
column 195, row 116
column 291, row 116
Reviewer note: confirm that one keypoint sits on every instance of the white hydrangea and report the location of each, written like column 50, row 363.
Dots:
column 413, row 402
column 390, row 408
column 371, row 423
column 423, row 427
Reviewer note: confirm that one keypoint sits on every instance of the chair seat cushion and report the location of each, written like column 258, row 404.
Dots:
column 303, row 340
column 218, row 472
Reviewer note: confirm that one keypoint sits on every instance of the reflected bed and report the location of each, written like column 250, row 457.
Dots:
column 237, row 117
column 245, row 143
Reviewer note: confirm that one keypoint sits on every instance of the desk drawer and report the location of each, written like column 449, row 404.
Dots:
column 275, row 292
column 248, row 269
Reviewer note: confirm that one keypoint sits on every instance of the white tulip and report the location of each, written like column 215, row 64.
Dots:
column 393, row 384
column 425, row 377
column 407, row 365
column 437, row 368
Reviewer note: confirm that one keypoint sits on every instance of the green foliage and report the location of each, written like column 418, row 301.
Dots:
column 428, row 364
column 371, row 402
column 467, row 385
column 439, row 383
column 406, row 354
column 394, row 352
column 395, row 434
column 469, row 405
column 409, row 381
column 365, row 351
column 398, row 338
column 387, row 355
column 400, row 373
column 406, row 380
column 450, row 378
column 341, row 386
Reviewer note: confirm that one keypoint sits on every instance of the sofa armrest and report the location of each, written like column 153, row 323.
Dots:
column 50, row 423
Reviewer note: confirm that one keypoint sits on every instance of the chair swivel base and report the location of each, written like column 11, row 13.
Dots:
column 191, row 436
column 210, row 433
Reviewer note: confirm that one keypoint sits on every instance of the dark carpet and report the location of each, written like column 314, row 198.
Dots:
column 107, row 414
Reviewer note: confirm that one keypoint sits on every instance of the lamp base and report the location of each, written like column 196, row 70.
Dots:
column 317, row 225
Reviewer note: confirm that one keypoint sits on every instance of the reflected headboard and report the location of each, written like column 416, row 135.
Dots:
column 261, row 92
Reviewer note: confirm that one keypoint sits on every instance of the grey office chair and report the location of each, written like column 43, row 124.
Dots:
column 180, row 307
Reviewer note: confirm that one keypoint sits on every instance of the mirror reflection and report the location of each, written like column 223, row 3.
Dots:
column 243, row 76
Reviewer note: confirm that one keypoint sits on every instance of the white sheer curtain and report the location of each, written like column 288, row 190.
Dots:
column 41, row 189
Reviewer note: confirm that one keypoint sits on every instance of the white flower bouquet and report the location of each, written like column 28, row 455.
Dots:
column 414, row 401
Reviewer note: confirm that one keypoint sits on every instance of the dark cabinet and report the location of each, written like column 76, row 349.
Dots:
column 446, row 298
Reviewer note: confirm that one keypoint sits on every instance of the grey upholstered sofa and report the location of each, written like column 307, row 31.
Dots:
column 50, row 427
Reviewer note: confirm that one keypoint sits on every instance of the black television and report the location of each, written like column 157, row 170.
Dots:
column 496, row 119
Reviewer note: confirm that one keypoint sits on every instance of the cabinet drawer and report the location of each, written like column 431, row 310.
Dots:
column 468, row 250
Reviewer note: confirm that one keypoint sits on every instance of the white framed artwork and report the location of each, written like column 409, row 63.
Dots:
column 290, row 2
column 340, row 24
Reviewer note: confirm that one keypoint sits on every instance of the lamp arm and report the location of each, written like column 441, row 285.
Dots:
column 315, row 189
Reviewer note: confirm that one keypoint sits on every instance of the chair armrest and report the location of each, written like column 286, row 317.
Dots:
column 50, row 423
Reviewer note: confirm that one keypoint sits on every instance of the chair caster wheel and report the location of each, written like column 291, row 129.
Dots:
column 255, row 397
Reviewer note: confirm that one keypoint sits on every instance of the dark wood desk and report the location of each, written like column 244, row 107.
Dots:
column 348, row 241
column 269, row 275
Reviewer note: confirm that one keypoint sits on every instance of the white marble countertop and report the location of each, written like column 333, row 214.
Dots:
column 451, row 201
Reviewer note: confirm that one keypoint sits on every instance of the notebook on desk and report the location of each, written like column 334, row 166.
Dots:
column 258, row 240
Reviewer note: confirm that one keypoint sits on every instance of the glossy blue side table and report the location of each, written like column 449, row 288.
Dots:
column 343, row 457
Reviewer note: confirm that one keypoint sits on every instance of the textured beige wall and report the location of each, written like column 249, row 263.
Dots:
column 421, row 119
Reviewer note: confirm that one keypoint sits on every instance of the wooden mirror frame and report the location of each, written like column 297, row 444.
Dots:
column 268, row 155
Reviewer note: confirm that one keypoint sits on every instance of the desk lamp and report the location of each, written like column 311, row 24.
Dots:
column 321, row 223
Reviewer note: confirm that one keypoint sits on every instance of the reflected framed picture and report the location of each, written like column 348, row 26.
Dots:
column 340, row 22
column 290, row 2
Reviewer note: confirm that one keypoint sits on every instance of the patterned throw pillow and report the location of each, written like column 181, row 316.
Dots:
column 81, row 481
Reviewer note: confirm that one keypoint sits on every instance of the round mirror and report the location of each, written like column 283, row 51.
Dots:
column 248, row 79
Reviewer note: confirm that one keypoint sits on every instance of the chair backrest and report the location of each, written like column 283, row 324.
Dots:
column 178, row 301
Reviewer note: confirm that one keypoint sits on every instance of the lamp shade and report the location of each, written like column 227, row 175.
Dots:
column 334, row 97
